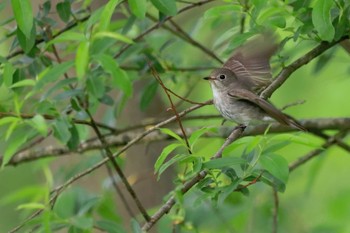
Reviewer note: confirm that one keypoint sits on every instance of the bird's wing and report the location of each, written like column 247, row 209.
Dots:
column 251, row 61
column 270, row 110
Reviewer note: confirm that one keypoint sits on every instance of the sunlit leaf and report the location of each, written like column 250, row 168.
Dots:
column 22, row 10
column 138, row 7
column 166, row 151
column 321, row 18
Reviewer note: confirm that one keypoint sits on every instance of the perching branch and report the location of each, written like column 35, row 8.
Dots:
column 154, row 135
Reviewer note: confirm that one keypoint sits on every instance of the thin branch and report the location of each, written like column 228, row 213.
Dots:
column 118, row 169
column 166, row 90
column 330, row 142
column 125, row 138
column 288, row 70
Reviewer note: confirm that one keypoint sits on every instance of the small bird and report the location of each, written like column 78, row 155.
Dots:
column 236, row 86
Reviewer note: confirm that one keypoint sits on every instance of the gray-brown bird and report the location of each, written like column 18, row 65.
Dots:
column 237, row 84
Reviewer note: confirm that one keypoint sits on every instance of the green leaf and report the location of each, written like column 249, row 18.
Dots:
column 17, row 139
column 96, row 86
column 223, row 162
column 167, row 7
column 74, row 140
column 38, row 122
column 31, row 206
column 63, row 9
column 24, row 83
column 170, row 162
column 172, row 134
column 322, row 20
column 51, row 74
column 82, row 59
column 9, row 70
column 138, row 8
column 110, row 226
column 119, row 76
column 67, row 36
column 135, row 226
column 82, row 222
column 107, row 14
column 113, row 35
column 61, row 130
column 276, row 165
column 219, row 11
column 166, row 151
column 148, row 94
column 196, row 135
column 22, row 9
column 26, row 43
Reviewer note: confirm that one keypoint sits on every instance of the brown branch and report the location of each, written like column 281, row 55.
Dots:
column 51, row 117
column 166, row 90
column 330, row 142
column 235, row 134
column 288, row 70
column 125, row 138
column 118, row 169
column 139, row 37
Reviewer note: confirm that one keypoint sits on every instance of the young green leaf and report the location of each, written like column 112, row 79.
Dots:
column 166, row 151
column 223, row 162
column 9, row 70
column 26, row 42
column 63, row 9
column 82, row 59
column 136, row 228
column 24, row 83
column 170, row 162
column 119, row 76
column 51, row 74
column 172, row 134
column 197, row 134
column 113, row 35
column 107, row 14
column 276, row 165
column 322, row 20
column 138, row 8
column 38, row 122
column 167, row 7
column 22, row 9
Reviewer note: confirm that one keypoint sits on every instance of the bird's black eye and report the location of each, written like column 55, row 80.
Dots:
column 222, row 76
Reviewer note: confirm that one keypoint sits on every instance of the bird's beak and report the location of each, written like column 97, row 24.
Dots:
column 208, row 78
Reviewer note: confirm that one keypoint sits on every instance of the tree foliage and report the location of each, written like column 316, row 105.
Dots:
column 71, row 70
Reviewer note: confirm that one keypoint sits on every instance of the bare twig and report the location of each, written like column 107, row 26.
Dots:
column 166, row 90
column 330, row 142
column 118, row 169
